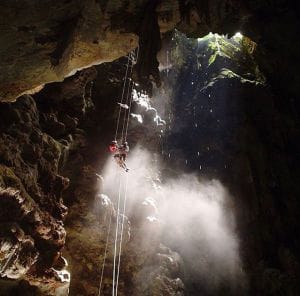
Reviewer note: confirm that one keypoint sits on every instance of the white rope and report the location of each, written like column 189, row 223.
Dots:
column 119, row 195
column 131, row 95
column 122, row 97
column 121, row 238
column 105, row 254
column 127, row 99
column 126, row 130
column 116, row 237
column 116, row 272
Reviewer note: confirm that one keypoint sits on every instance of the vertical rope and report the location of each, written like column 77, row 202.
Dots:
column 126, row 131
column 121, row 238
column 116, row 237
column 116, row 272
column 122, row 97
column 127, row 100
column 105, row 254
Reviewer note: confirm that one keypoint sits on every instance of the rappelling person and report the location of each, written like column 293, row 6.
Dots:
column 120, row 153
column 124, row 150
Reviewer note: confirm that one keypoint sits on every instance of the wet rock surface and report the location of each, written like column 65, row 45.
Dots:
column 35, row 144
column 18, row 252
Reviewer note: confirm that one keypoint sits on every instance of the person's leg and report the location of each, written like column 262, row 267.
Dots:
column 123, row 158
column 118, row 159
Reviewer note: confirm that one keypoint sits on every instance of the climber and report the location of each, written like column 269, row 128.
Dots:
column 124, row 149
column 120, row 153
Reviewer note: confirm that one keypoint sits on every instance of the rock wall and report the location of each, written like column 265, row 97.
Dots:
column 64, row 130
column 42, row 42
column 34, row 147
column 223, row 107
column 87, row 223
column 42, row 138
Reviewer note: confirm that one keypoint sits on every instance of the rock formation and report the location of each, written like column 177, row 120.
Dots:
column 35, row 142
column 51, row 138
column 45, row 42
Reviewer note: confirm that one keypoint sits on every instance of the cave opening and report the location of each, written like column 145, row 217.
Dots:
column 209, row 205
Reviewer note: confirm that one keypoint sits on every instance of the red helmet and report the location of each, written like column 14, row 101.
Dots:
column 113, row 147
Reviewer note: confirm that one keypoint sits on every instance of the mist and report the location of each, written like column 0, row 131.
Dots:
column 196, row 219
column 199, row 224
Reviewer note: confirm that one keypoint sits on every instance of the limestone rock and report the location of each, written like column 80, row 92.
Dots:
column 17, row 251
column 31, row 187
column 42, row 42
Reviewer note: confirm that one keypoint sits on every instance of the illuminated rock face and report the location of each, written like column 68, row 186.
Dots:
column 43, row 42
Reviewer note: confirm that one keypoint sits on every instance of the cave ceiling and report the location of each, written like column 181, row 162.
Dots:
column 46, row 41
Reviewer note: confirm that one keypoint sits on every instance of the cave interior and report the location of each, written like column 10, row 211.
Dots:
column 206, row 95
